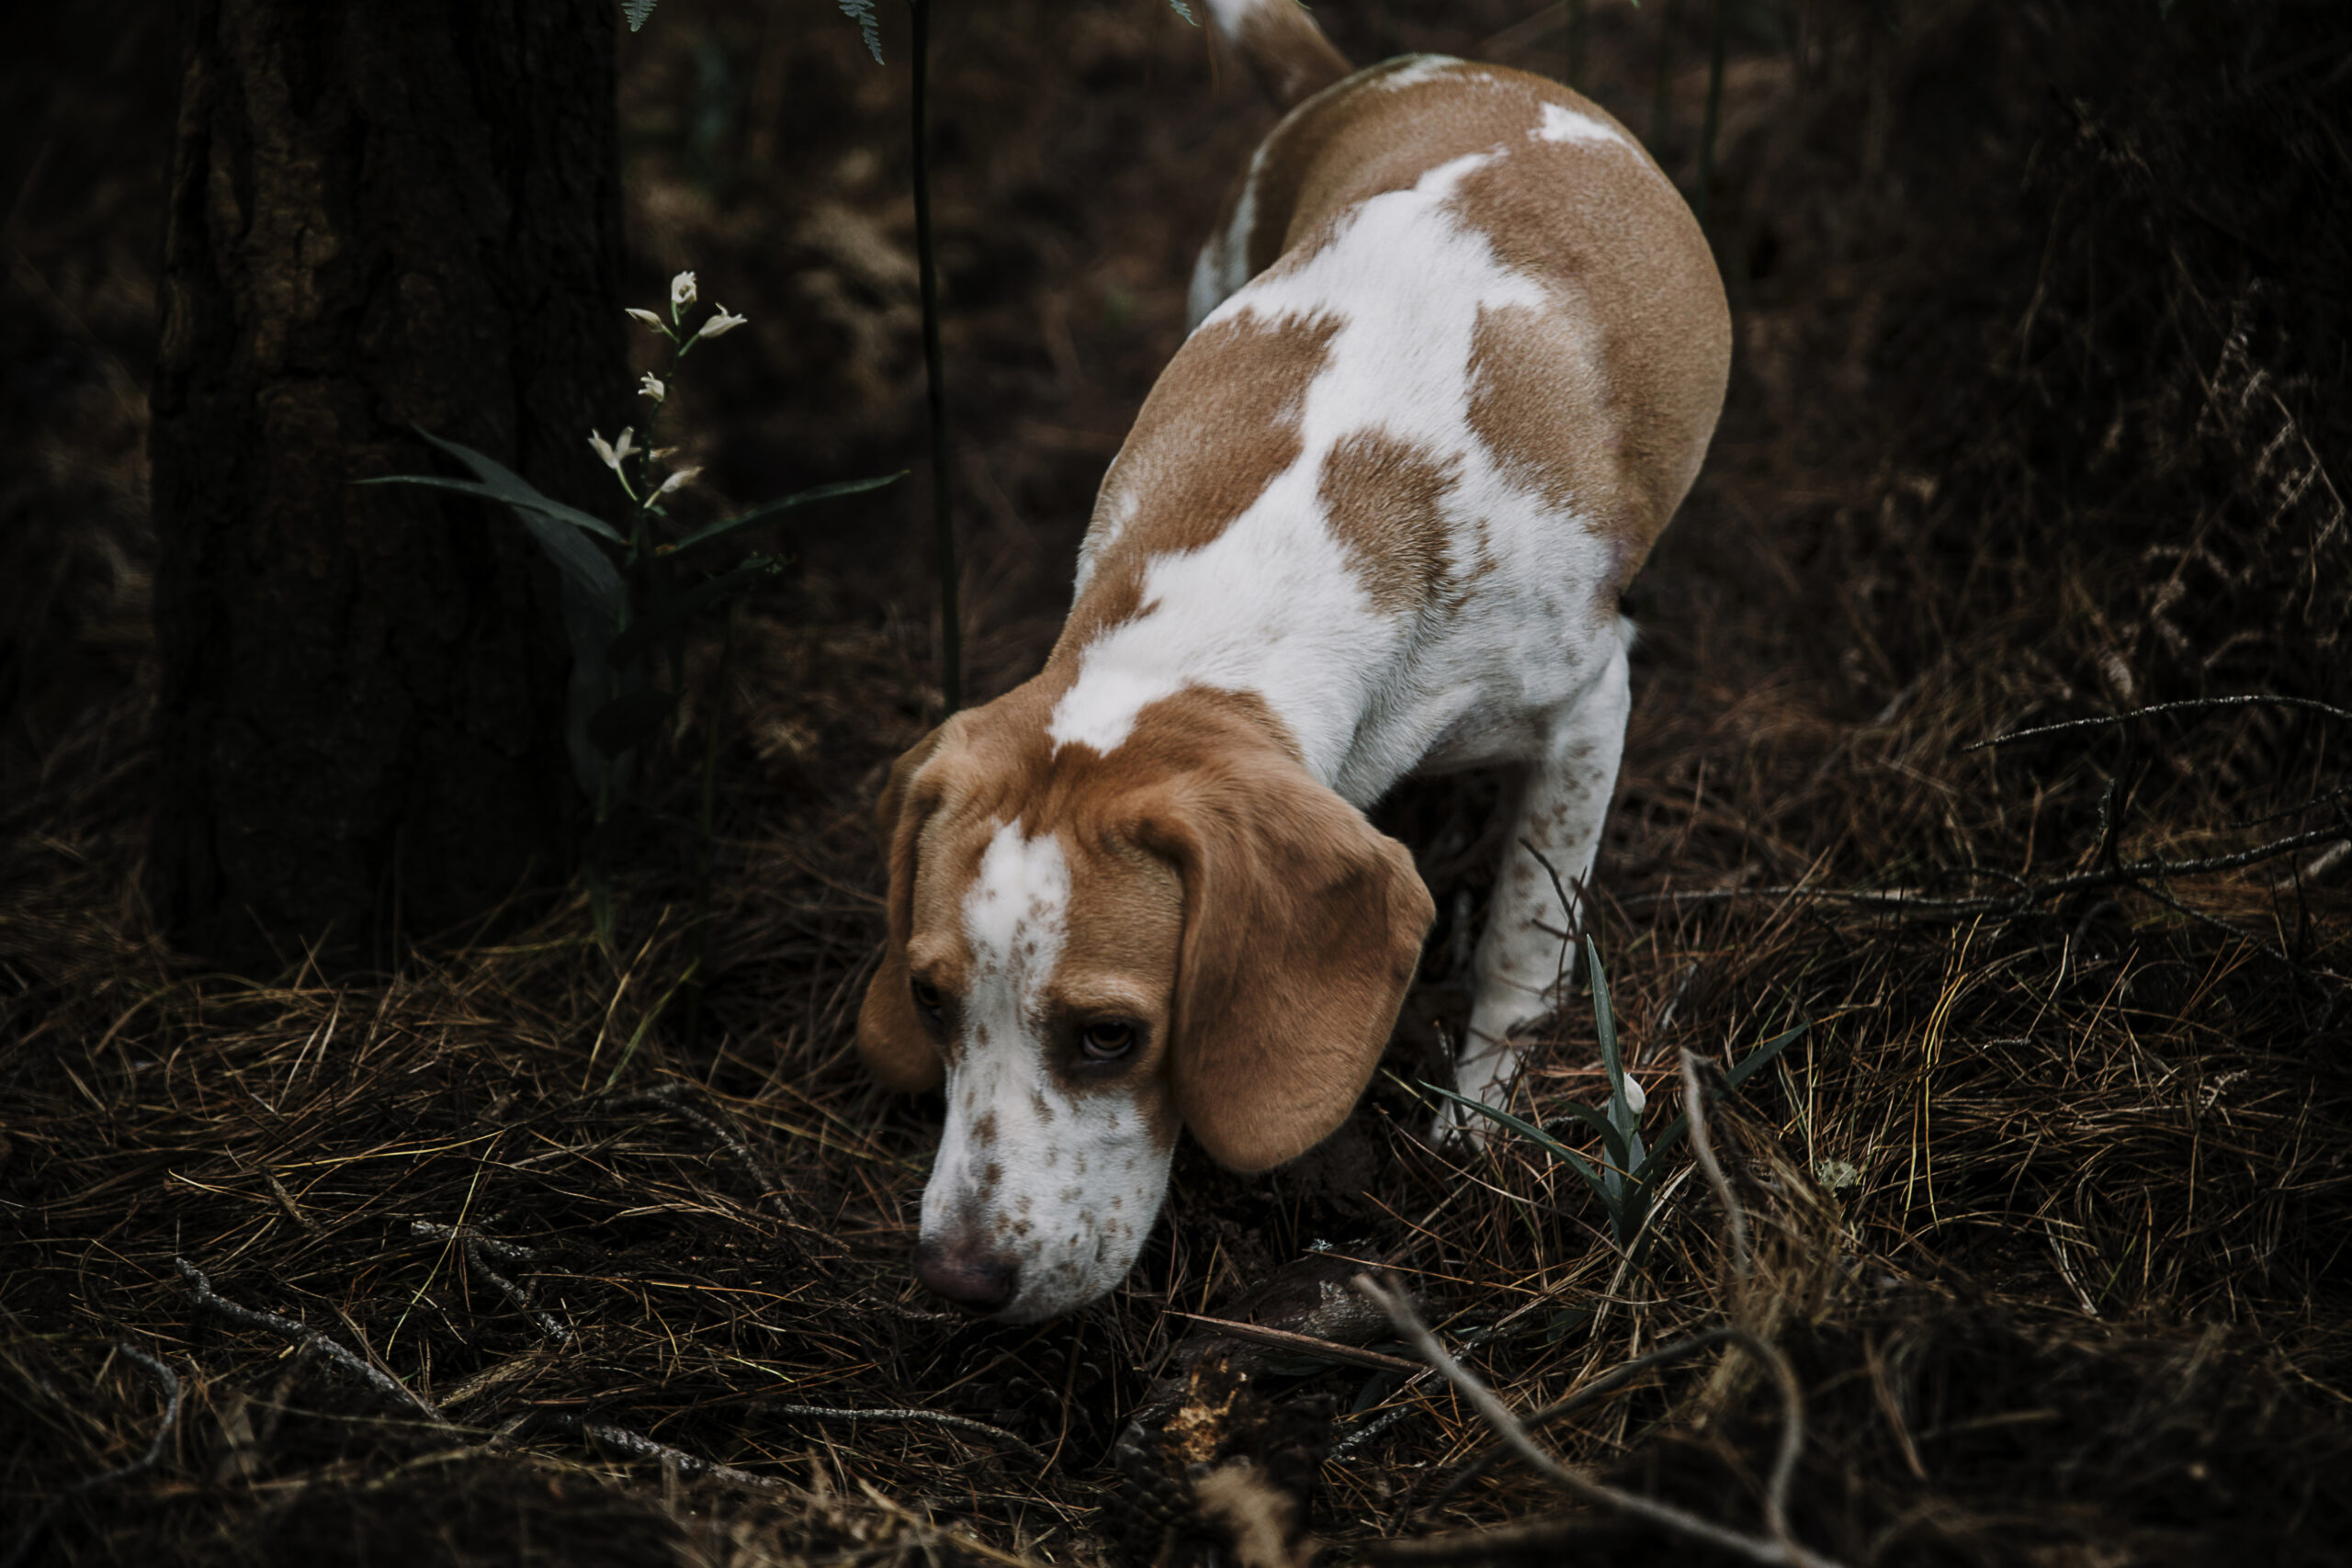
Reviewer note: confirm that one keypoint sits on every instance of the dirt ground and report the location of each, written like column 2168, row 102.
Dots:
column 2039, row 419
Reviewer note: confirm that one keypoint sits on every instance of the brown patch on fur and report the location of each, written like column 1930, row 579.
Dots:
column 1641, row 336
column 1384, row 498
column 1221, row 422
column 1641, row 339
column 1361, row 138
column 1287, row 52
column 1265, row 930
column 1303, row 926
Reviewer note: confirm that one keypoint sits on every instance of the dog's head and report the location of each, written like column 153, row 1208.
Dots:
column 1089, row 953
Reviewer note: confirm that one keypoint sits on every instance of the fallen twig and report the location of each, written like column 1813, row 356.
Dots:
column 1306, row 1343
column 671, row 1097
column 301, row 1333
column 930, row 1417
column 162, row 1373
column 1694, row 1107
column 2257, row 700
column 480, row 1248
column 2129, row 874
column 638, row 1446
column 1782, row 1548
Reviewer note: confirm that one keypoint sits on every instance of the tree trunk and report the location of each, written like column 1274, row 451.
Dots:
column 383, row 214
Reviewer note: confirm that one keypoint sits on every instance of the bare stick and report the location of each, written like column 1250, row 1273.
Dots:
column 942, row 502
column 2130, row 873
column 479, row 1251
column 637, row 1446
column 1781, row 1550
column 2191, row 703
column 162, row 1373
column 926, row 1417
column 1609, row 1382
column 671, row 1097
column 1694, row 1108
column 1307, row 1344
column 300, row 1332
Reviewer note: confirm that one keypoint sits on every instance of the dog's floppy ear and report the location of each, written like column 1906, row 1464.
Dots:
column 1302, row 927
column 890, row 1036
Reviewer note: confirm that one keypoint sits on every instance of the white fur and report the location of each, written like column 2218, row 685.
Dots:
column 1271, row 606
column 1531, row 671
column 1562, row 123
column 1065, row 1185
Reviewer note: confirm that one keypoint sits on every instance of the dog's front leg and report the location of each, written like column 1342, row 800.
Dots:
column 1527, row 954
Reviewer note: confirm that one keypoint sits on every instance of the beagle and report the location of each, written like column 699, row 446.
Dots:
column 1458, row 349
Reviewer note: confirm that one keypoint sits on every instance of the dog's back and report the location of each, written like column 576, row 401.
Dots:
column 1605, row 393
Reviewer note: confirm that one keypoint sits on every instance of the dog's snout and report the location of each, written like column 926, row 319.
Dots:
column 968, row 1271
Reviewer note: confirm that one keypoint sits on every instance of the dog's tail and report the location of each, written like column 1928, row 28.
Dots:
column 1286, row 51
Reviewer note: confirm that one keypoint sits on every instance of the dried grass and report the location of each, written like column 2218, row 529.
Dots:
column 2049, row 1208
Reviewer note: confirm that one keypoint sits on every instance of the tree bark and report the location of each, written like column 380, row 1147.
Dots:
column 383, row 214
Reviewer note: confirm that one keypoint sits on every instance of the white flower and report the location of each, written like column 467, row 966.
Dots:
column 720, row 321
column 674, row 481
column 614, row 452
column 682, row 292
column 1635, row 1099
column 653, row 388
column 650, row 319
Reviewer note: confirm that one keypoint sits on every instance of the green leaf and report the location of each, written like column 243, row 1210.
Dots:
column 1186, row 11
column 862, row 13
column 1611, row 1139
column 574, row 556
column 1537, row 1135
column 663, row 616
column 629, row 720
column 637, row 11
column 1761, row 1056
column 1675, row 1131
column 515, row 491
column 762, row 512
column 1604, row 1021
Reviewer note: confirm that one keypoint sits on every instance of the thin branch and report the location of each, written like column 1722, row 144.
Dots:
column 1781, row 1550
column 2184, row 706
column 942, row 504
column 927, row 1417
column 1305, row 1344
column 671, row 1097
column 1368, row 1429
column 162, row 1373
column 1694, row 1108
column 637, row 1445
column 2129, row 874
column 1609, row 1382
column 480, row 1248
column 200, row 1290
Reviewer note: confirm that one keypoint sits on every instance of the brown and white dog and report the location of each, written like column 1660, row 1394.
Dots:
column 1459, row 348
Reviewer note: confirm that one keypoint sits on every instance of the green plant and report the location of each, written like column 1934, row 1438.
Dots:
column 1625, row 1177
column 625, row 598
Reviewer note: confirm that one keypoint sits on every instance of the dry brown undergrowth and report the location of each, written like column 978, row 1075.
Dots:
column 2050, row 1205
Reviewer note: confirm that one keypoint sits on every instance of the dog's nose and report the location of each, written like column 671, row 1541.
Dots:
column 967, row 1273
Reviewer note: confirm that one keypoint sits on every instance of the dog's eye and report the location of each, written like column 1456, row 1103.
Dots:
column 929, row 1002
column 1106, row 1039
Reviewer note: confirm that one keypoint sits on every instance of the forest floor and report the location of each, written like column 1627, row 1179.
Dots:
column 2039, row 423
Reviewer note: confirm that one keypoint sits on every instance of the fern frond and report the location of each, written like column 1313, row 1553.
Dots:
column 868, row 28
column 637, row 11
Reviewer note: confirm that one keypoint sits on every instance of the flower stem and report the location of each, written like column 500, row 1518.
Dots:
column 951, row 635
